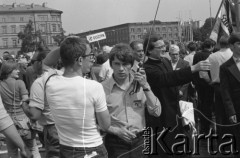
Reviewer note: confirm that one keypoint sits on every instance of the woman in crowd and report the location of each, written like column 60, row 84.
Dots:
column 14, row 93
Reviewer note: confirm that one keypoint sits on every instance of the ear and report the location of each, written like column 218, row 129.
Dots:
column 79, row 61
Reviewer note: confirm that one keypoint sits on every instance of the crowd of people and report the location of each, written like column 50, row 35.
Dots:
column 87, row 102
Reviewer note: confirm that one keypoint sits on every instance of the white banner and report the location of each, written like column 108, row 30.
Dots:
column 96, row 37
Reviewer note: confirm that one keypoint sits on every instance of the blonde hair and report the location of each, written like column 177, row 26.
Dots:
column 7, row 68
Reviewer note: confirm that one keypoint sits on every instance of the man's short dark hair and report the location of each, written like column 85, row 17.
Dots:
column 134, row 43
column 122, row 52
column 208, row 43
column 192, row 46
column 71, row 49
column 234, row 37
column 150, row 42
column 223, row 42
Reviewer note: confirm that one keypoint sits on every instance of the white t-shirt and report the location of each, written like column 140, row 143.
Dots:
column 73, row 103
column 106, row 71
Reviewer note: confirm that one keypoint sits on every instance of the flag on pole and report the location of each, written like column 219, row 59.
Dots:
column 224, row 21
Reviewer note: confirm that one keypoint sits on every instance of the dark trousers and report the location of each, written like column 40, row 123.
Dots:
column 51, row 141
column 205, row 106
column 80, row 152
column 118, row 148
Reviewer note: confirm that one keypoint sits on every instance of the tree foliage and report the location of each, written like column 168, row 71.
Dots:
column 59, row 38
column 202, row 33
column 31, row 39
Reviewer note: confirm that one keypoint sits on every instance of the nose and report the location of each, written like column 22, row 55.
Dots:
column 121, row 68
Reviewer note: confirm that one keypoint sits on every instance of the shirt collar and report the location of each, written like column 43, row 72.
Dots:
column 237, row 60
column 112, row 82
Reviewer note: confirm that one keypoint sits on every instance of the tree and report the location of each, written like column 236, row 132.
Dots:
column 31, row 40
column 59, row 38
column 207, row 28
column 197, row 34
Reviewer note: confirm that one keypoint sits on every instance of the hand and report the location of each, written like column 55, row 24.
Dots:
column 201, row 66
column 125, row 134
column 25, row 153
column 233, row 119
column 180, row 93
column 140, row 76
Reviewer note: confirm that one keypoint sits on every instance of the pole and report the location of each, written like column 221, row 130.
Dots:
column 237, row 13
column 210, row 7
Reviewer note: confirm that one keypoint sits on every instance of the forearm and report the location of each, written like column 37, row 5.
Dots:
column 153, row 104
column 12, row 134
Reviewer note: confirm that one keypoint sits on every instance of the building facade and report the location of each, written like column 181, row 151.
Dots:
column 126, row 33
column 13, row 19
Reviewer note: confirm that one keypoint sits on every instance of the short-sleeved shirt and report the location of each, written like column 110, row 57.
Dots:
column 73, row 103
column 12, row 102
column 125, row 108
column 38, row 99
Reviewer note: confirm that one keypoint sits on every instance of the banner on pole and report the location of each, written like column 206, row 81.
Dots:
column 96, row 37
column 224, row 21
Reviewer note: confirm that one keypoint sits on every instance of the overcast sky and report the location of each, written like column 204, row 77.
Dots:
column 84, row 15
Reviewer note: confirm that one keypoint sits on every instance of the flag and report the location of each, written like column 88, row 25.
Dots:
column 225, row 21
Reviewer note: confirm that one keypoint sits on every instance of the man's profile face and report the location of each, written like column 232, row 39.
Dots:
column 158, row 50
column 121, row 70
column 138, row 52
column 235, row 48
column 88, row 60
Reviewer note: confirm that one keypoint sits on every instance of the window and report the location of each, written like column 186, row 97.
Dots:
column 45, row 39
column 54, row 18
column 4, row 29
column 22, row 27
column 132, row 29
column 133, row 37
column 5, row 42
column 164, row 29
column 13, row 29
column 139, row 36
column 158, row 29
column 43, row 27
column 169, row 29
column 139, row 30
column 21, row 19
column 3, row 19
column 54, row 28
column 14, row 42
column 59, row 28
column 42, row 17
column 176, row 35
column 12, row 19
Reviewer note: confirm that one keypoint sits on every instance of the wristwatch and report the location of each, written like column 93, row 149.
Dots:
column 147, row 89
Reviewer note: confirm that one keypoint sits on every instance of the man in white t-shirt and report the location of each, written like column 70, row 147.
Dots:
column 77, row 103
column 106, row 70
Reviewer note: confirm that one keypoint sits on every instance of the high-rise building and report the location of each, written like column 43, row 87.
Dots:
column 13, row 19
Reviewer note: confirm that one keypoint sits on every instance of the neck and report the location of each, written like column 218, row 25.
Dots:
column 71, row 72
column 122, row 82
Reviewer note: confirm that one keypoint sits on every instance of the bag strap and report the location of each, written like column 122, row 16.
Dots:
column 44, row 88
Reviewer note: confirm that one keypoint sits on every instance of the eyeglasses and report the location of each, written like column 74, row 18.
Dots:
column 91, row 55
column 161, row 47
